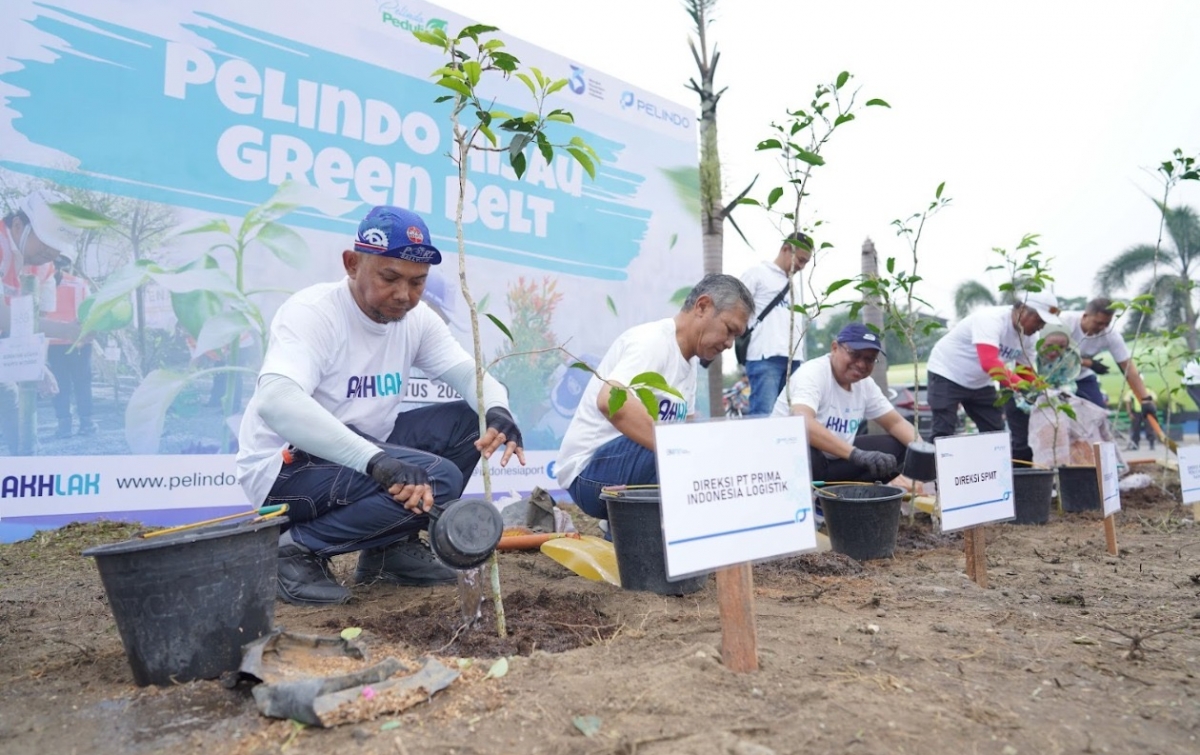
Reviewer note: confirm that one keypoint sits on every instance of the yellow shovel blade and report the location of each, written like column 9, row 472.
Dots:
column 926, row 503
column 590, row 557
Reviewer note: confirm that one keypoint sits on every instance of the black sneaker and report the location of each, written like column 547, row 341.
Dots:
column 408, row 562
column 304, row 577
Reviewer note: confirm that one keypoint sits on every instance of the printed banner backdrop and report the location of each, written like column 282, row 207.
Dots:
column 224, row 152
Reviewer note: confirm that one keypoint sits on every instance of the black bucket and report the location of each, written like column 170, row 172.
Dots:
column 1033, row 492
column 1078, row 489
column 465, row 533
column 920, row 462
column 185, row 603
column 863, row 520
column 635, row 522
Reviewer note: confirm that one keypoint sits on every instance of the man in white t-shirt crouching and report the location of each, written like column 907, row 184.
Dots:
column 601, row 449
column 835, row 395
column 976, row 352
column 324, row 433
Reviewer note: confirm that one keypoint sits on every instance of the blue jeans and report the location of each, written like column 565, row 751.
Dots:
column 333, row 509
column 618, row 462
column 766, row 382
column 1089, row 388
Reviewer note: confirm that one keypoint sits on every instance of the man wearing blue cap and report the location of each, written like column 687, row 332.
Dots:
column 835, row 395
column 324, row 432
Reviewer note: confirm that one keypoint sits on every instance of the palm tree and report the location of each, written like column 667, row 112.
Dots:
column 972, row 294
column 1173, row 268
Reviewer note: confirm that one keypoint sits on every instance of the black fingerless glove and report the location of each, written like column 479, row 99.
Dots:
column 1098, row 367
column 498, row 418
column 388, row 472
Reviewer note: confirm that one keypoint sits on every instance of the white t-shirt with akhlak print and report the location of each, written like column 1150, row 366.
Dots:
column 354, row 367
column 650, row 347
column 954, row 356
column 838, row 410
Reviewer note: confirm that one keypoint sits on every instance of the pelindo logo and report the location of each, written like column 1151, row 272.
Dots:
column 628, row 100
column 575, row 81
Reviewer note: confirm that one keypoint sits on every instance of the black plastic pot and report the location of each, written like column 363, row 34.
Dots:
column 186, row 603
column 863, row 520
column 635, row 522
column 920, row 462
column 1033, row 493
column 1078, row 489
column 465, row 532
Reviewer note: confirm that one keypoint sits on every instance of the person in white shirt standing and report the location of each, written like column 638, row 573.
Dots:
column 601, row 449
column 975, row 353
column 777, row 338
column 1093, row 330
column 1191, row 380
column 324, row 432
column 835, row 395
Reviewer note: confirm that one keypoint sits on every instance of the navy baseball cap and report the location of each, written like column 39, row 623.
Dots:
column 396, row 232
column 859, row 336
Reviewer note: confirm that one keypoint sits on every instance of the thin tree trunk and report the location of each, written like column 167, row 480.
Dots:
column 871, row 313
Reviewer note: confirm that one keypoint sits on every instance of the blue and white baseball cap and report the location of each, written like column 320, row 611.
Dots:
column 859, row 336
column 398, row 233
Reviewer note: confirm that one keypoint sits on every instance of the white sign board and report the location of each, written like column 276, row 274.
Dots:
column 974, row 479
column 22, row 358
column 1110, row 492
column 1189, row 473
column 734, row 492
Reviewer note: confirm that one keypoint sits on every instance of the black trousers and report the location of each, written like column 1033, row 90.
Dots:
column 843, row 470
column 980, row 404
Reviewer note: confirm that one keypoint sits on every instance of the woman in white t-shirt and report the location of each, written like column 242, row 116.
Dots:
column 836, row 395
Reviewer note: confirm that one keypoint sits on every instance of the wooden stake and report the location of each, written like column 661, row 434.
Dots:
column 977, row 556
column 1110, row 527
column 739, row 635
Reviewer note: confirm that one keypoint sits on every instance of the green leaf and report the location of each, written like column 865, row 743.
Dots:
column 545, row 147
column 518, row 163
column 876, row 102
column 473, row 71
column 221, row 330
column 769, row 144
column 612, row 305
column 843, row 118
column 492, row 44
column 207, row 279
column 586, row 162
column 216, row 225
column 774, row 196
column 560, row 118
column 842, row 78
column 474, row 30
column 671, row 242
column 454, row 85
column 351, row 633
column 488, row 134
column 839, row 284
column 430, row 39
column 649, row 400
column 680, row 296
column 891, row 264
column 113, row 314
column 146, row 412
column 287, row 245
column 655, row 381
column 498, row 669
column 79, row 217
column 616, row 399
column 812, row 158
column 503, row 328
column 938, row 194
column 589, row 726
column 528, row 82
column 555, row 86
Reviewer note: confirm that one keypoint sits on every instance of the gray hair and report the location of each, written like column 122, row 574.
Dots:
column 724, row 290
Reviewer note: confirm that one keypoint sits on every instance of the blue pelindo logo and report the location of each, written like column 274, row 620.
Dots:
column 575, row 81
column 629, row 100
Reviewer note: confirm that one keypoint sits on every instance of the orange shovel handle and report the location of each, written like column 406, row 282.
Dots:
column 531, row 542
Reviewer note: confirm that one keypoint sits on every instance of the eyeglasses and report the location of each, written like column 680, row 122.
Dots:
column 863, row 356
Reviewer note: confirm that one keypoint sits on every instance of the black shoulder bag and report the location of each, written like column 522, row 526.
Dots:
column 742, row 344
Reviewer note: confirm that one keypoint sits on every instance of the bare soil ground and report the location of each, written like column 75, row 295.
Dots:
column 1069, row 650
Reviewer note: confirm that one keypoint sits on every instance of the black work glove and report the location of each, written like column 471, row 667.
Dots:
column 882, row 466
column 499, row 419
column 1098, row 367
column 1149, row 409
column 387, row 471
